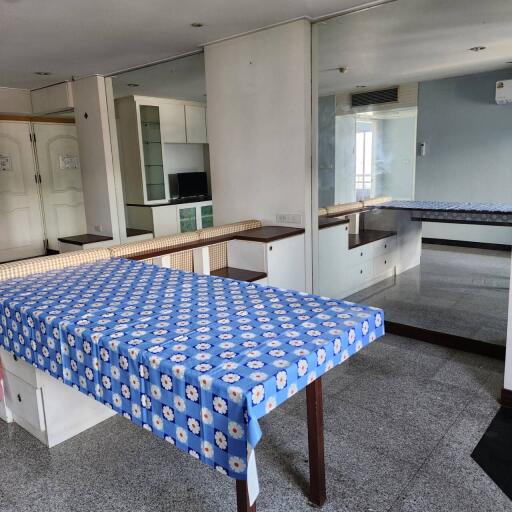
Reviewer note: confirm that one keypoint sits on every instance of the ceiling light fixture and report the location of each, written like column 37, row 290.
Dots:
column 132, row 85
column 42, row 73
column 197, row 24
column 360, row 86
column 478, row 48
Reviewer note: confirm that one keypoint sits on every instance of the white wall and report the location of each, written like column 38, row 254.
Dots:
column 259, row 123
column 96, row 156
column 469, row 150
column 259, row 126
column 15, row 101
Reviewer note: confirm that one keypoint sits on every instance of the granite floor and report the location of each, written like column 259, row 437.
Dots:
column 454, row 290
column 401, row 420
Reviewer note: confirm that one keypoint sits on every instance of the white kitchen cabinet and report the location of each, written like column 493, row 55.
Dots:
column 282, row 260
column 169, row 219
column 344, row 271
column 46, row 408
column 172, row 123
column 196, row 124
column 149, row 132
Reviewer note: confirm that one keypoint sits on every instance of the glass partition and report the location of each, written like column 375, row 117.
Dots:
column 160, row 114
column 398, row 123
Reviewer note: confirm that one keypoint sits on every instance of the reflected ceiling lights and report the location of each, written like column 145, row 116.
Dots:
column 197, row 24
column 132, row 85
column 478, row 48
column 42, row 73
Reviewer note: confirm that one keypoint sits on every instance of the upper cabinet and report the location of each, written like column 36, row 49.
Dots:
column 195, row 118
column 183, row 124
column 172, row 123
column 145, row 125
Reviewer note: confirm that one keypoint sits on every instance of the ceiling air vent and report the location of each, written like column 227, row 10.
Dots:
column 361, row 99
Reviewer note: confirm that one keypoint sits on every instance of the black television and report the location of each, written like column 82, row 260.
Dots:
column 192, row 184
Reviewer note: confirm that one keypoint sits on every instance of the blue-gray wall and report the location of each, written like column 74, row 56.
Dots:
column 469, row 149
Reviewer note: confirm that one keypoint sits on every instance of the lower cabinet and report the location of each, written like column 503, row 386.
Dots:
column 282, row 260
column 343, row 271
column 169, row 219
column 46, row 408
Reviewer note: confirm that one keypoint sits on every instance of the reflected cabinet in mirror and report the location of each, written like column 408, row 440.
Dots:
column 163, row 146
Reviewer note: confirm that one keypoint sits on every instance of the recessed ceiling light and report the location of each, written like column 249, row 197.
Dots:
column 360, row 86
column 478, row 48
column 197, row 24
column 132, row 85
column 42, row 73
column 343, row 70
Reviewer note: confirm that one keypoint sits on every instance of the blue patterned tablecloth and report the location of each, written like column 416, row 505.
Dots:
column 449, row 206
column 195, row 359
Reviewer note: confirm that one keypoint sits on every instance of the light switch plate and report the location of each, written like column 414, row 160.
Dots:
column 289, row 218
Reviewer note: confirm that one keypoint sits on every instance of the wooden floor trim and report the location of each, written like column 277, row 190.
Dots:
column 464, row 243
column 446, row 340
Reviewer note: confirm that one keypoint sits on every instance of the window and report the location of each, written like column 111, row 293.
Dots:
column 364, row 160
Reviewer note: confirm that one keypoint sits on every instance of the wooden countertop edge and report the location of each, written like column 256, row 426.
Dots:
column 215, row 240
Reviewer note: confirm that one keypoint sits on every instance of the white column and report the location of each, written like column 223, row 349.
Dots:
column 259, row 127
column 92, row 123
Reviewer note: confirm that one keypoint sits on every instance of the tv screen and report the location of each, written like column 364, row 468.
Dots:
column 192, row 184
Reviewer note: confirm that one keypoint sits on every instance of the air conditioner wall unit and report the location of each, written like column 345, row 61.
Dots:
column 504, row 92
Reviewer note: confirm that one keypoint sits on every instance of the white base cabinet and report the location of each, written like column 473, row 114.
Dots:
column 282, row 260
column 172, row 218
column 48, row 409
column 343, row 271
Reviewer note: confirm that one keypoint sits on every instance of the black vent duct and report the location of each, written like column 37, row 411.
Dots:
column 360, row 99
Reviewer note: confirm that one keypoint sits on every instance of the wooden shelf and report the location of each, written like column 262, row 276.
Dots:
column 84, row 239
column 239, row 274
column 367, row 237
column 267, row 234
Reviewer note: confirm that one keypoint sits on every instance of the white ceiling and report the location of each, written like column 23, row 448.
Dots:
column 83, row 37
column 182, row 79
column 414, row 40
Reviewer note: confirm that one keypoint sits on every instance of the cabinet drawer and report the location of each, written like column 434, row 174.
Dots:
column 18, row 367
column 384, row 246
column 383, row 263
column 25, row 401
column 359, row 255
column 355, row 277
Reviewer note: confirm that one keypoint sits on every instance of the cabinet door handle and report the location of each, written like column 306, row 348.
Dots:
column 270, row 248
column 15, row 357
column 385, row 246
column 361, row 253
column 19, row 397
column 360, row 271
column 385, row 262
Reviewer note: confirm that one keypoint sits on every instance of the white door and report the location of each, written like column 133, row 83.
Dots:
column 21, row 230
column 61, row 181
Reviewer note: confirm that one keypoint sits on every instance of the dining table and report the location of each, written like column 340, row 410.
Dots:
column 196, row 359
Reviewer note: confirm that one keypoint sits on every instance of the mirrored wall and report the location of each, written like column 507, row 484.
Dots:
column 400, row 120
column 163, row 147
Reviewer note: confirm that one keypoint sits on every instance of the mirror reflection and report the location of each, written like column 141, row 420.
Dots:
column 414, row 166
column 163, row 147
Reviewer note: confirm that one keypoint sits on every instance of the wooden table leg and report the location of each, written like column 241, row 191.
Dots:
column 317, row 492
column 242, row 497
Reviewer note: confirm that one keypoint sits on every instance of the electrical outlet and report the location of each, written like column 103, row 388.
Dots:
column 289, row 218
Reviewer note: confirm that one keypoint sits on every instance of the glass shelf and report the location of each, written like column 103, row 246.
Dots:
column 152, row 149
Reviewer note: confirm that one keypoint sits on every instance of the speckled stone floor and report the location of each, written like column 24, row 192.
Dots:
column 401, row 420
column 454, row 290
